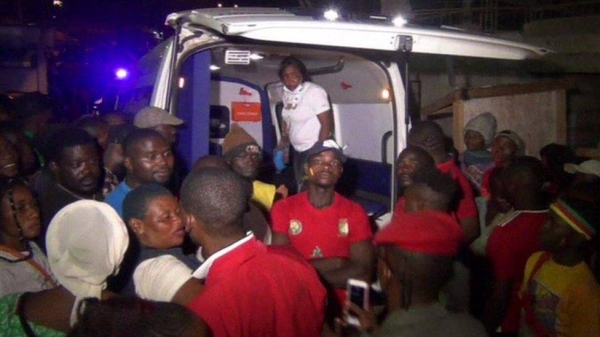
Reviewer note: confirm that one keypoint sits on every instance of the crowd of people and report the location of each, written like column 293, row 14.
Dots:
column 102, row 235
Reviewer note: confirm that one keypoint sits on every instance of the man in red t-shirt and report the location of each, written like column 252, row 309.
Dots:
column 250, row 289
column 512, row 242
column 330, row 231
column 429, row 136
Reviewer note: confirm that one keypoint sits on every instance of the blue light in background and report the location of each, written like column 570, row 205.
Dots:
column 121, row 73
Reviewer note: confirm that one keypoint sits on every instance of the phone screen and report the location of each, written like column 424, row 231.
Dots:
column 357, row 295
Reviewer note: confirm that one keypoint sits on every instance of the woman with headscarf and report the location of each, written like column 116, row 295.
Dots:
column 23, row 265
column 477, row 159
column 86, row 242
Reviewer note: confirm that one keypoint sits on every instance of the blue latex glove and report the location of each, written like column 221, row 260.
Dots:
column 278, row 160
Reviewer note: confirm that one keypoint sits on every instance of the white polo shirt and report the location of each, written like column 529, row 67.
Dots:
column 300, row 110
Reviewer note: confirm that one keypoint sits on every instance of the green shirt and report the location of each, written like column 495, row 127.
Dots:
column 10, row 325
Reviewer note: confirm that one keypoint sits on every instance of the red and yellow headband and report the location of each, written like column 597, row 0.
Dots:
column 573, row 219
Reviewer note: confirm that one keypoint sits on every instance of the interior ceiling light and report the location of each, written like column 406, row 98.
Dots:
column 256, row 56
column 214, row 67
column 385, row 94
column 331, row 15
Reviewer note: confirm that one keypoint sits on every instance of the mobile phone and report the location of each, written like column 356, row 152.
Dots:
column 358, row 293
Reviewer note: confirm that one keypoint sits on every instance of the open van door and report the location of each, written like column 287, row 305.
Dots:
column 221, row 68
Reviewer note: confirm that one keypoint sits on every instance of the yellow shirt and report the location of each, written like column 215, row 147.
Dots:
column 264, row 194
column 566, row 299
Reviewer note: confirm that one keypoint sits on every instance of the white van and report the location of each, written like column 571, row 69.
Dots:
column 221, row 68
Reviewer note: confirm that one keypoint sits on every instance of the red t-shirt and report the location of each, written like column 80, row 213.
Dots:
column 256, row 290
column 399, row 209
column 466, row 207
column 321, row 233
column 508, row 248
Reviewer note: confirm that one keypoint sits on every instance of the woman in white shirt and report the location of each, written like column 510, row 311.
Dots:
column 23, row 265
column 307, row 116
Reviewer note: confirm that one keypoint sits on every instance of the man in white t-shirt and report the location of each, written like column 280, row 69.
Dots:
column 307, row 116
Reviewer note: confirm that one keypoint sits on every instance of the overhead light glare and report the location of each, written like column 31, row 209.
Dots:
column 331, row 15
column 214, row 67
column 181, row 82
column 399, row 21
column 256, row 57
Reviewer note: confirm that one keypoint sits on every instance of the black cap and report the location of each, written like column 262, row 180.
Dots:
column 326, row 145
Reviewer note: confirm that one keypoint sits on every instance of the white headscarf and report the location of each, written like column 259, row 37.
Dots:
column 160, row 278
column 485, row 124
column 86, row 242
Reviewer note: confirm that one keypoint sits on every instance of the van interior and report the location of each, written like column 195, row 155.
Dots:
column 240, row 84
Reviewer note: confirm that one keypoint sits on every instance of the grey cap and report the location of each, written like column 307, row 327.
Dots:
column 150, row 117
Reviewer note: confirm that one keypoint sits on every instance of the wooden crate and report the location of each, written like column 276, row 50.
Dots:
column 536, row 111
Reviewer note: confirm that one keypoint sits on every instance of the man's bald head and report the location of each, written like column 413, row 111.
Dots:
column 211, row 161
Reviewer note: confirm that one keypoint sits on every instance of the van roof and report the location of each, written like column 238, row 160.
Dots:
column 282, row 26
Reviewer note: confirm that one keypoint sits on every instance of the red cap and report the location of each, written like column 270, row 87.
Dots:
column 423, row 232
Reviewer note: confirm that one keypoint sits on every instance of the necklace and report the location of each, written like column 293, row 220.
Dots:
column 21, row 256
column 75, row 195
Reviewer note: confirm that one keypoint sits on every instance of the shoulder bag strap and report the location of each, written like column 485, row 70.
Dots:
column 21, row 313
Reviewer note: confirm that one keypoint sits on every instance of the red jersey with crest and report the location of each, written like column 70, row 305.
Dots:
column 321, row 233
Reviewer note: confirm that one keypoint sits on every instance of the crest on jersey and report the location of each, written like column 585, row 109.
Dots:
column 295, row 227
column 343, row 228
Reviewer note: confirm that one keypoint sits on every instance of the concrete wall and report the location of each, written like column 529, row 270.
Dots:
column 577, row 43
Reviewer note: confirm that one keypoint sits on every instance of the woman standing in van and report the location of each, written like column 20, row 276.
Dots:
column 307, row 116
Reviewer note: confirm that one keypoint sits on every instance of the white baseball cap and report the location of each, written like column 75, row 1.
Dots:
column 587, row 167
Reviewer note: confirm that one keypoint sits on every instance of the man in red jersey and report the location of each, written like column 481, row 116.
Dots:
column 330, row 231
column 429, row 136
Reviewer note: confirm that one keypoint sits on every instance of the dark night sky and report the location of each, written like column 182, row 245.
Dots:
column 147, row 12
column 141, row 12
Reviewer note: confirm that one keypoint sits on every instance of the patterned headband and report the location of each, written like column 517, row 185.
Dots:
column 574, row 219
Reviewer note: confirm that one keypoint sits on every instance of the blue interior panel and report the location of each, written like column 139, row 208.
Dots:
column 367, row 176
column 194, row 109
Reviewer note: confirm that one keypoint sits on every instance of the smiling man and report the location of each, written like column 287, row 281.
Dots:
column 330, row 231
column 9, row 159
column 148, row 159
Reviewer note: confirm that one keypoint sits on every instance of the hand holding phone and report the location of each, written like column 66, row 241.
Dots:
column 358, row 294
